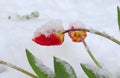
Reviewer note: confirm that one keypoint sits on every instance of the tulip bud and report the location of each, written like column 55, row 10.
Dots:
column 50, row 34
column 77, row 36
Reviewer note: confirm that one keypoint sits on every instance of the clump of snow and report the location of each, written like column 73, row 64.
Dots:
column 101, row 72
column 44, row 69
column 53, row 26
column 67, row 67
column 77, row 25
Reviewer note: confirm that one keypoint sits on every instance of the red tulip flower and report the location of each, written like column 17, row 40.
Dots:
column 77, row 36
column 49, row 34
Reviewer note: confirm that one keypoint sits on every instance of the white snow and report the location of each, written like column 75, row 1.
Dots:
column 16, row 34
column 101, row 72
column 77, row 25
column 53, row 26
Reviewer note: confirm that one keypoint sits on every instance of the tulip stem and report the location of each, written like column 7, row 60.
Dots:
column 91, row 55
column 18, row 68
column 95, row 32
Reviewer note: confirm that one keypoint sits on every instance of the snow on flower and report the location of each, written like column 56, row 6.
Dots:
column 77, row 36
column 49, row 34
column 77, row 25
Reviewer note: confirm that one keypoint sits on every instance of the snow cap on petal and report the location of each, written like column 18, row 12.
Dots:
column 50, row 34
column 76, row 25
column 52, row 27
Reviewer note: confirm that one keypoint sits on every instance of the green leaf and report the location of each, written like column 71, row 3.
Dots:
column 63, row 69
column 88, row 72
column 95, row 72
column 39, row 68
column 118, row 12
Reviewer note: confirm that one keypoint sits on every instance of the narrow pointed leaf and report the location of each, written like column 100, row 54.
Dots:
column 63, row 69
column 118, row 12
column 39, row 68
column 88, row 72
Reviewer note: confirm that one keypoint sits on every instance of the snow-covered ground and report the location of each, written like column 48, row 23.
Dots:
column 16, row 34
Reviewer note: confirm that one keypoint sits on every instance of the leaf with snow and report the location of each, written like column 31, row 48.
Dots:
column 88, row 72
column 63, row 69
column 95, row 72
column 118, row 12
column 39, row 68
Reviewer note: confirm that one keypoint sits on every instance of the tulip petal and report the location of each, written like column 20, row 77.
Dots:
column 77, row 36
column 52, row 39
